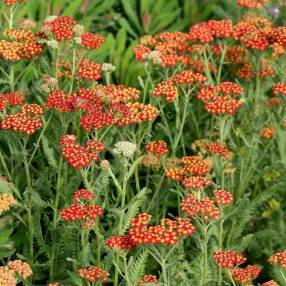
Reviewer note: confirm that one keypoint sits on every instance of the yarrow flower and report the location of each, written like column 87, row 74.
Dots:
column 93, row 274
column 158, row 148
column 279, row 88
column 270, row 283
column 89, row 70
column 245, row 275
column 251, row 3
column 83, row 194
column 223, row 197
column 22, row 268
column 126, row 148
column 167, row 233
column 268, row 132
column 80, row 156
column 121, row 242
column 228, row 258
column 279, row 259
column 217, row 99
column 148, row 279
column 7, row 276
column 6, row 201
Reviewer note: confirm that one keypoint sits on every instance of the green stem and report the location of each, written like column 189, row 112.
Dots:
column 205, row 257
column 73, row 70
column 231, row 279
column 284, row 277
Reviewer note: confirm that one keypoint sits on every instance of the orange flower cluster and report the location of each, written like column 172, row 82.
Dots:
column 158, row 148
column 228, row 258
column 245, row 275
column 279, row 259
column 11, row 98
column 167, row 233
column 13, row 2
column 217, row 99
column 206, row 32
column 80, row 156
column 7, row 276
column 22, row 268
column 194, row 166
column 270, row 283
column 205, row 207
column 22, row 122
column 251, row 3
column 6, row 201
column 148, row 279
column 82, row 210
column 20, row 45
column 168, row 88
column 279, row 88
column 268, row 132
column 120, row 242
column 89, row 70
column 93, row 274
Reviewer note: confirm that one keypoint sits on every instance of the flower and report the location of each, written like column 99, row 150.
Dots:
column 279, row 88
column 223, row 197
column 89, row 70
column 126, row 148
column 251, row 3
column 22, row 268
column 279, row 259
column 80, row 156
column 268, row 132
column 83, row 194
column 270, row 283
column 91, row 41
column 148, row 279
column 6, row 201
column 93, row 274
column 228, row 258
column 7, row 276
column 121, row 242
column 196, row 182
column 158, row 148
column 245, row 275
column 166, row 89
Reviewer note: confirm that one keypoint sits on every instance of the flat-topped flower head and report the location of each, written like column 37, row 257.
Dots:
column 125, row 148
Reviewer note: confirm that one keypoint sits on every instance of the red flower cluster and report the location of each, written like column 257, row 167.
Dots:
column 167, row 233
column 148, row 279
column 223, row 197
column 158, row 148
column 269, row 283
column 251, row 3
column 93, row 274
column 80, row 156
column 11, row 98
column 206, row 32
column 21, row 122
column 120, row 242
column 81, row 209
column 279, row 88
column 194, row 166
column 217, row 99
column 245, row 275
column 196, row 183
column 166, row 89
column 188, row 77
column 92, row 41
column 205, row 207
column 228, row 258
column 13, row 2
column 21, row 45
column 216, row 148
column 279, row 259
column 83, row 194
column 89, row 70
column 268, row 132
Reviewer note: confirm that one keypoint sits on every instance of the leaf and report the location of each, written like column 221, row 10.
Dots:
column 49, row 153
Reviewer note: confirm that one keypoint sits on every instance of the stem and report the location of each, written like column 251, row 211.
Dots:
column 231, row 279
column 29, row 203
column 182, row 123
column 205, row 257
column 284, row 277
column 220, row 242
column 73, row 70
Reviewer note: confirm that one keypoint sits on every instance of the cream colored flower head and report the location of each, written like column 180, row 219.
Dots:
column 126, row 148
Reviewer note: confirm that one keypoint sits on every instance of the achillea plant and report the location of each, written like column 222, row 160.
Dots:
column 165, row 183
